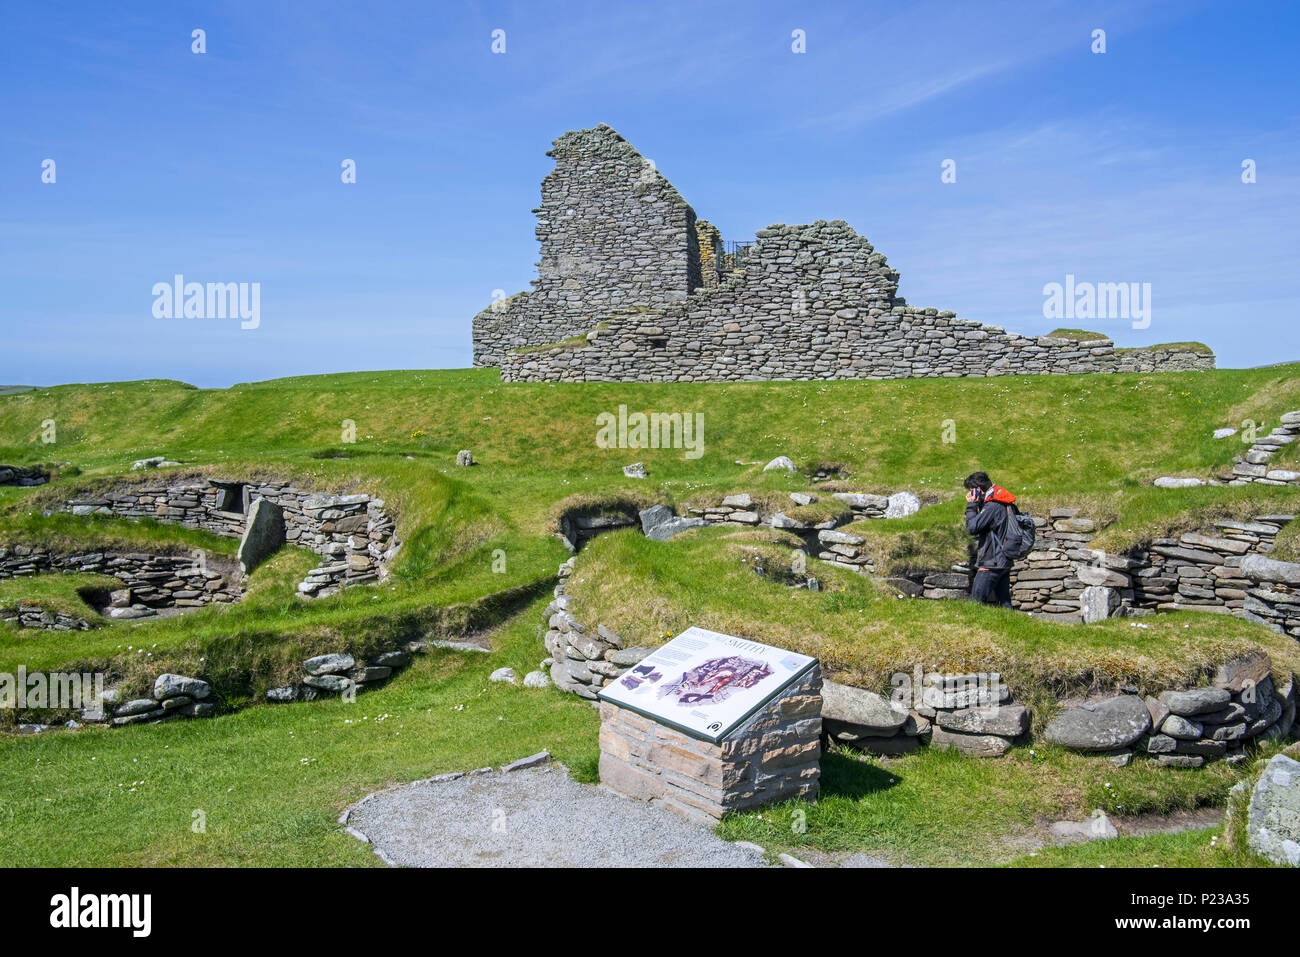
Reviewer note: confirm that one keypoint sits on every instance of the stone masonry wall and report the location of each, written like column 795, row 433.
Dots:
column 352, row 533
column 614, row 234
column 150, row 581
column 814, row 302
column 1253, row 467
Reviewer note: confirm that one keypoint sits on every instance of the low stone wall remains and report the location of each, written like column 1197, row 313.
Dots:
column 353, row 534
column 150, row 581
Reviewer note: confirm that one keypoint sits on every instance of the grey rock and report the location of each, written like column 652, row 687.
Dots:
column 1114, row 723
column 1096, row 827
column 1097, row 603
column 136, row 706
column 281, row 694
column 1261, row 569
column 504, row 674
column 329, row 682
column 780, row 462
column 1195, row 701
column 635, row 470
column 1176, row 726
column 329, row 664
column 902, row 504
column 536, row 679
column 1008, row 721
column 170, row 686
column 626, row 657
column 263, row 535
column 1273, row 816
column 976, row 745
column 863, row 709
column 660, row 524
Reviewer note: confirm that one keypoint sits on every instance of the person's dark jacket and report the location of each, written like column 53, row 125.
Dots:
column 988, row 522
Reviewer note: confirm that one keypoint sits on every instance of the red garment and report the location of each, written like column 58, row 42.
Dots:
column 997, row 493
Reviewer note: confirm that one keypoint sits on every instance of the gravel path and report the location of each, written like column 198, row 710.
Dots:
column 538, row 817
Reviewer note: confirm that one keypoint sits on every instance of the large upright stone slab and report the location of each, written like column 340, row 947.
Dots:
column 263, row 535
column 1273, row 821
column 660, row 742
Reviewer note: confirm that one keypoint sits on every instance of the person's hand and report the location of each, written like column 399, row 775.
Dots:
column 971, row 495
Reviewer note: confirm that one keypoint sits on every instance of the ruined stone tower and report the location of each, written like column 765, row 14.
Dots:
column 614, row 235
column 624, row 292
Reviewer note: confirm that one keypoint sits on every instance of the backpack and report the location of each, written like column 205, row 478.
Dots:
column 1019, row 538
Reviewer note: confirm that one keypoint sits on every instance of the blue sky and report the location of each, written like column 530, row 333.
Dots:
column 1116, row 167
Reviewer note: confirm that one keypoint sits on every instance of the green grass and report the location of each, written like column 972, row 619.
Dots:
column 1081, row 335
column 1090, row 441
column 59, row 593
column 942, row 808
column 127, row 799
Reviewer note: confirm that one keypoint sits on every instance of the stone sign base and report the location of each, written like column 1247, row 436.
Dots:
column 773, row 756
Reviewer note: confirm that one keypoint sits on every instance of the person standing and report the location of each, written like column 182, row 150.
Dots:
column 988, row 512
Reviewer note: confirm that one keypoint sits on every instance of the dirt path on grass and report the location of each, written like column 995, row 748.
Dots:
column 536, row 817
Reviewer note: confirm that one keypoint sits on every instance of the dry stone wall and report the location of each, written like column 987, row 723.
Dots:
column 626, row 292
column 353, row 534
column 614, row 233
column 150, row 581
column 1253, row 467
column 1227, row 570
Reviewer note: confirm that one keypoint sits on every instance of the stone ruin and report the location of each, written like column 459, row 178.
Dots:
column 631, row 286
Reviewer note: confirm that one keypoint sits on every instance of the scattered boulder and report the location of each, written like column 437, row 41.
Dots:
column 799, row 498
column 536, row 679
column 1111, row 724
column 464, row 458
column 1224, row 433
column 503, row 674
column 635, row 470
column 780, row 462
column 1166, row 481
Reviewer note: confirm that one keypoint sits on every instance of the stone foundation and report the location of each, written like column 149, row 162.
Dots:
column 150, row 581
column 352, row 533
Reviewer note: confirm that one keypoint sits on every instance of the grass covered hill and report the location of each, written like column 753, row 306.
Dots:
column 477, row 562
column 1090, row 441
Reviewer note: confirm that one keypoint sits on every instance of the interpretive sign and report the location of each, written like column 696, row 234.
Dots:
column 705, row 683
